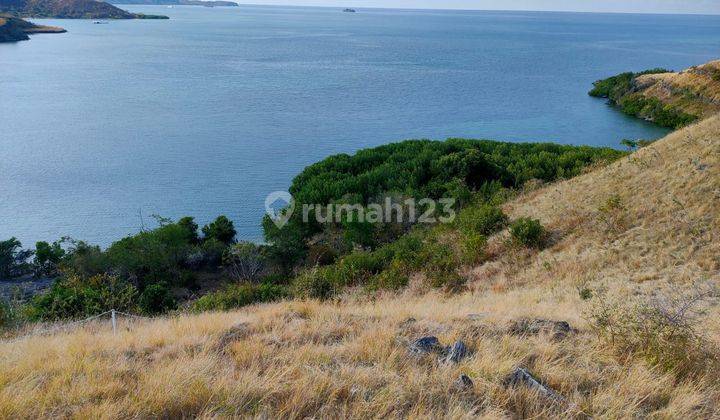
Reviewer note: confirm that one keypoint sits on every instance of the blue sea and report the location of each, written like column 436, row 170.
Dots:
column 208, row 112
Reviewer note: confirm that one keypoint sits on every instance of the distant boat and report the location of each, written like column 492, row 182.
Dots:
column 349, row 10
column 98, row 22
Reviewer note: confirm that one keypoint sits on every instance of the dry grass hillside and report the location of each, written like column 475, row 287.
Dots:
column 633, row 256
column 696, row 90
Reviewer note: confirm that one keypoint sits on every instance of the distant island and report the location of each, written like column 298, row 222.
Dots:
column 14, row 29
column 210, row 3
column 69, row 9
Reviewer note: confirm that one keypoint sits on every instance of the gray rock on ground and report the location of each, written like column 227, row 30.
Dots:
column 456, row 353
column 426, row 345
column 522, row 377
column 558, row 329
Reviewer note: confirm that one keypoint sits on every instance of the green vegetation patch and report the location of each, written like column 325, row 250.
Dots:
column 620, row 90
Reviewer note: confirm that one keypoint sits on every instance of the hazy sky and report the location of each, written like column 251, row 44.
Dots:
column 631, row 6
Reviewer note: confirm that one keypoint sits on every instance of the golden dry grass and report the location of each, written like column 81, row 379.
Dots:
column 695, row 90
column 349, row 358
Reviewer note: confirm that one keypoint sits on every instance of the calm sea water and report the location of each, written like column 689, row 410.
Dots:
column 207, row 113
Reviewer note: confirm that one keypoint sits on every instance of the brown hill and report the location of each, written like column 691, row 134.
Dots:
column 695, row 91
column 69, row 9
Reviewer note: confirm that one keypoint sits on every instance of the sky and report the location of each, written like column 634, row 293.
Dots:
column 620, row 6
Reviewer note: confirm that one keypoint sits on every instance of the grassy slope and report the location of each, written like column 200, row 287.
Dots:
column 301, row 359
column 696, row 90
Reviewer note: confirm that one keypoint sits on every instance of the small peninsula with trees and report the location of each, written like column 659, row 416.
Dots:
column 13, row 29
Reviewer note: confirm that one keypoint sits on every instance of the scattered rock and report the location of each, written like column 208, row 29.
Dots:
column 231, row 335
column 426, row 345
column 559, row 329
column 463, row 383
column 456, row 353
column 522, row 377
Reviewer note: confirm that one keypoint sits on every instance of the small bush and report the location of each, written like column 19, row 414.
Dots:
column 76, row 297
column 393, row 278
column 84, row 260
column 451, row 281
column 315, row 283
column 662, row 330
column 438, row 256
column 156, row 299
column 239, row 295
column 527, row 232
column 245, row 261
column 655, row 110
column 473, row 248
column 484, row 220
column 585, row 293
column 8, row 315
column 613, row 213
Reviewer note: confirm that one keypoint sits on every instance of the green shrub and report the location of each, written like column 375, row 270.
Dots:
column 615, row 87
column 392, row 278
column 316, row 283
column 47, row 257
column 276, row 279
column 222, row 229
column 239, row 295
column 527, row 232
column 404, row 251
column 84, row 260
column 653, row 109
column 156, row 299
column 483, row 220
column 451, row 281
column 212, row 252
column 76, row 297
column 439, row 256
column 8, row 315
column 473, row 247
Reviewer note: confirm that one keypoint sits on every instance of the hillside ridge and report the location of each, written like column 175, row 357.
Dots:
column 670, row 99
column 69, row 9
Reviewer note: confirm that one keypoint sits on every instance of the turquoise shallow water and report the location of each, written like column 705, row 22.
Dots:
column 207, row 113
